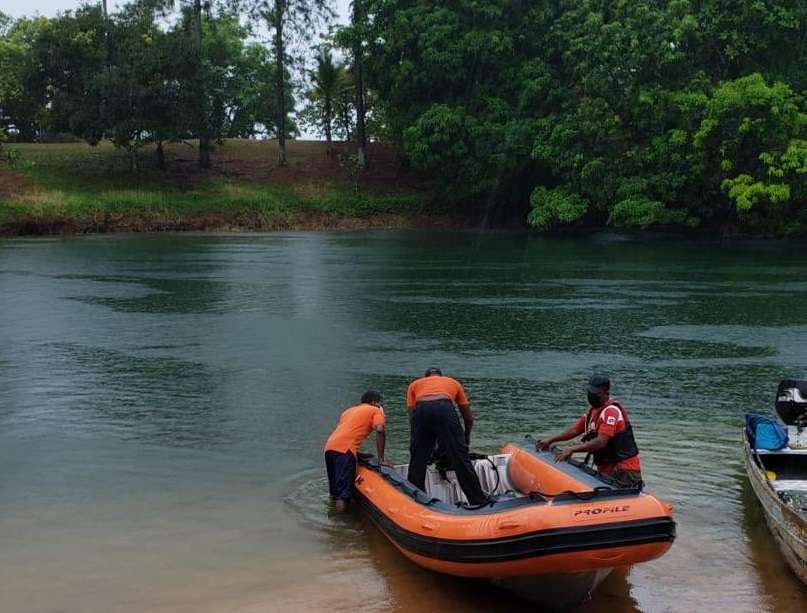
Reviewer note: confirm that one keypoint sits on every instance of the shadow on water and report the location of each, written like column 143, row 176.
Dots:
column 163, row 400
column 783, row 590
column 412, row 588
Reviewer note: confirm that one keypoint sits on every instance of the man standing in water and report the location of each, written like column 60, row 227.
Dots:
column 607, row 433
column 430, row 401
column 355, row 425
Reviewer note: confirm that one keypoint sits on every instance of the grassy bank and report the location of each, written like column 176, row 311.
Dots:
column 75, row 188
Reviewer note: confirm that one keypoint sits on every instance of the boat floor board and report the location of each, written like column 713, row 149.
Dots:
column 789, row 485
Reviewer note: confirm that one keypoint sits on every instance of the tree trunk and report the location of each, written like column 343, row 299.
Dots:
column 160, row 155
column 280, row 81
column 202, row 119
column 344, row 111
column 328, row 120
column 107, row 61
column 361, row 137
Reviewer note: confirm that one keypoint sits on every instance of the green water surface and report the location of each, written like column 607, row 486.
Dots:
column 164, row 400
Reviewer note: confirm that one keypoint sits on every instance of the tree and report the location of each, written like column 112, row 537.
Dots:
column 461, row 84
column 140, row 83
column 69, row 53
column 344, row 99
column 752, row 137
column 250, row 107
column 11, row 63
column 288, row 20
column 328, row 79
column 203, row 112
column 23, row 83
column 629, row 112
column 359, row 18
column 354, row 39
column 196, row 97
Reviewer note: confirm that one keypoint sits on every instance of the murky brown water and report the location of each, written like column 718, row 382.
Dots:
column 164, row 399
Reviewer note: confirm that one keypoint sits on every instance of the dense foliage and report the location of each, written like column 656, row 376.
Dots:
column 630, row 112
column 551, row 112
column 128, row 78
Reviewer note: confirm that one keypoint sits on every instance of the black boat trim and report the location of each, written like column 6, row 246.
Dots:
column 530, row 545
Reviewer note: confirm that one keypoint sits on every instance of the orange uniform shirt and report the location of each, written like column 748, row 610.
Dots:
column 355, row 424
column 608, row 421
column 436, row 385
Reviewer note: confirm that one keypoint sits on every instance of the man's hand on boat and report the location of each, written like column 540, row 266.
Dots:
column 561, row 456
column 564, row 454
column 385, row 462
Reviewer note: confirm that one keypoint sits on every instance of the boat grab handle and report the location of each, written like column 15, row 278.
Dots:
column 597, row 491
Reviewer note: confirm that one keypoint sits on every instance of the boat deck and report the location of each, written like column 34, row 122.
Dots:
column 793, row 485
column 492, row 473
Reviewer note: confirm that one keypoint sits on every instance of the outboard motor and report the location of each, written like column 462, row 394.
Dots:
column 791, row 402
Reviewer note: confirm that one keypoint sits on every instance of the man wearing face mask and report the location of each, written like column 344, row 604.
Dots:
column 607, row 434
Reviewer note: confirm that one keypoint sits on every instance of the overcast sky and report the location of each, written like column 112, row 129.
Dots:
column 18, row 8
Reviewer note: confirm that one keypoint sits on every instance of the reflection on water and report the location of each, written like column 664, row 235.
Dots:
column 164, row 399
column 773, row 572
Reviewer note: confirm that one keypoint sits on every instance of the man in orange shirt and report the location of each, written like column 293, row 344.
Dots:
column 355, row 425
column 430, row 401
column 607, row 433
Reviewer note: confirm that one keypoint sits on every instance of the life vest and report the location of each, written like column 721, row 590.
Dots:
column 620, row 447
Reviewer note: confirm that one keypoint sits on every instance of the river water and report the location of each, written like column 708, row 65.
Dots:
column 164, row 400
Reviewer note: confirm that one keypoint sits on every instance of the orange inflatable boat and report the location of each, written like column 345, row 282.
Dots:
column 545, row 518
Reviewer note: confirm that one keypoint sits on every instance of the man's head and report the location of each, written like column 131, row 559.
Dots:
column 433, row 372
column 598, row 390
column 372, row 397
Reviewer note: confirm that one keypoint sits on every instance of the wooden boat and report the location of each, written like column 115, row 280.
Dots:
column 562, row 521
column 779, row 480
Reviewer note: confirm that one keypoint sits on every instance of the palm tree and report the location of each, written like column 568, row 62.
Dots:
column 327, row 80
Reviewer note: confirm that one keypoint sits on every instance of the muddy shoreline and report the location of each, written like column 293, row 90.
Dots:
column 110, row 223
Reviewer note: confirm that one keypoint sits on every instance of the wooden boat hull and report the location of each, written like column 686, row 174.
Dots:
column 789, row 529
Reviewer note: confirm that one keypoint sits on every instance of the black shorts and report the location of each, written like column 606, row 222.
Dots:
column 341, row 469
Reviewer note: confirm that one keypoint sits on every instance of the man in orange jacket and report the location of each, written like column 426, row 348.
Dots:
column 430, row 401
column 355, row 425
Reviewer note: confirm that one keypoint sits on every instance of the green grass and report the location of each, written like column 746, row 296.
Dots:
column 88, row 187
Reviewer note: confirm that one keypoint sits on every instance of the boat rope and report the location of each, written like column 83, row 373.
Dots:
column 579, row 495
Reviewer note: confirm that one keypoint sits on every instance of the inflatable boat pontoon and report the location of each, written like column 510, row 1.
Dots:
column 546, row 518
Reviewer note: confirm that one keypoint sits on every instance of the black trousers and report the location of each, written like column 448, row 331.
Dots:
column 436, row 421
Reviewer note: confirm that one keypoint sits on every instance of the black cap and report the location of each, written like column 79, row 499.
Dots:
column 371, row 396
column 433, row 371
column 598, row 384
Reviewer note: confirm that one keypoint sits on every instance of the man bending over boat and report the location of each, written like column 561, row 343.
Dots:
column 607, row 433
column 355, row 425
column 430, row 401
